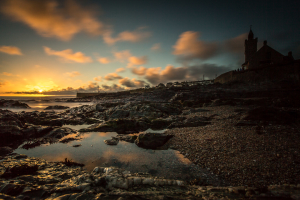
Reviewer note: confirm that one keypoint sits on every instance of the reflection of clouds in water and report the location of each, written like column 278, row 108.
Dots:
column 103, row 134
column 60, row 157
column 122, row 156
column 181, row 158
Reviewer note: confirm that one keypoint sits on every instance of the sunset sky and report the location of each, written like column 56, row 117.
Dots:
column 60, row 47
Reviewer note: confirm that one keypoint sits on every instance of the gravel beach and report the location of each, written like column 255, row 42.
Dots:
column 256, row 155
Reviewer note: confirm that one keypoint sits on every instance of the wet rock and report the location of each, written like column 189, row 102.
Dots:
column 12, row 104
column 160, row 123
column 113, row 141
column 10, row 133
column 19, row 170
column 5, row 150
column 58, row 107
column 151, row 140
column 59, row 133
column 119, row 125
column 100, row 108
column 127, row 138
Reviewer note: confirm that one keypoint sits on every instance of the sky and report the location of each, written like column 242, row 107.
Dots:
column 62, row 47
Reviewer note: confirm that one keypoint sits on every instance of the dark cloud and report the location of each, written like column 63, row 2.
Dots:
column 132, row 83
column 236, row 45
column 208, row 70
column 185, row 73
column 91, row 87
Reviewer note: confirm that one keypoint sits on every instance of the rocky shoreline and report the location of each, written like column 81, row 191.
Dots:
column 246, row 136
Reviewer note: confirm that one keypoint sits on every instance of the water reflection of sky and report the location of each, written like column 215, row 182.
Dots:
column 41, row 105
column 94, row 152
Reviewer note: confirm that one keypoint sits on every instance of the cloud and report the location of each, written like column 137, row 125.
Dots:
column 122, row 56
column 98, row 78
column 120, row 69
column 6, row 74
column 156, row 47
column 10, row 50
column 104, row 60
column 189, row 47
column 112, row 76
column 184, row 73
column 139, row 71
column 54, row 18
column 73, row 74
column 137, row 60
column 132, row 83
column 129, row 36
column 2, row 83
column 68, row 55
column 236, row 45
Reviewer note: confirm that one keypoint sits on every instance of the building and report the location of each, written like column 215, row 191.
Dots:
column 264, row 56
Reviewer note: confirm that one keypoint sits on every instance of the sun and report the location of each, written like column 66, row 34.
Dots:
column 40, row 90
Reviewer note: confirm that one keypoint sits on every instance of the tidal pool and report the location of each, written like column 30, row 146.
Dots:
column 94, row 152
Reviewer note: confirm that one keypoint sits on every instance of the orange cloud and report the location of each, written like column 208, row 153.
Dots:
column 120, row 69
column 112, row 76
column 130, row 36
column 104, row 60
column 98, row 78
column 54, row 19
column 137, row 60
column 189, row 47
column 6, row 74
column 2, row 83
column 73, row 74
column 131, row 83
column 156, row 47
column 10, row 50
column 139, row 71
column 68, row 55
column 122, row 56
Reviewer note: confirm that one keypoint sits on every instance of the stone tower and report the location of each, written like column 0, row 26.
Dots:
column 250, row 46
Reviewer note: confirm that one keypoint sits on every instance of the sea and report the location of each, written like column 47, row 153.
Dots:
column 39, row 103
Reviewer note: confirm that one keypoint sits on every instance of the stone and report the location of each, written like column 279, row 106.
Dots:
column 5, row 150
column 113, row 141
column 151, row 140
column 58, row 107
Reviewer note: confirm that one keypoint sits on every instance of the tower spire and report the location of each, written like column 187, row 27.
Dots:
column 250, row 35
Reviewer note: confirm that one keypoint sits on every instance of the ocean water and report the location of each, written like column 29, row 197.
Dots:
column 40, row 103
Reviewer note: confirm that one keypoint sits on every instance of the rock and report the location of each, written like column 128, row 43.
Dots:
column 127, row 138
column 59, row 133
column 12, row 104
column 58, row 107
column 77, row 145
column 113, row 141
column 160, row 123
column 100, row 108
column 10, row 133
column 5, row 150
column 151, row 140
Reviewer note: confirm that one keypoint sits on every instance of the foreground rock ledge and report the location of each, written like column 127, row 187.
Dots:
column 55, row 180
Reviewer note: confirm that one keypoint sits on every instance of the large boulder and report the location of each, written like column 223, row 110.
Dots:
column 5, row 150
column 151, row 140
column 10, row 133
column 12, row 104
